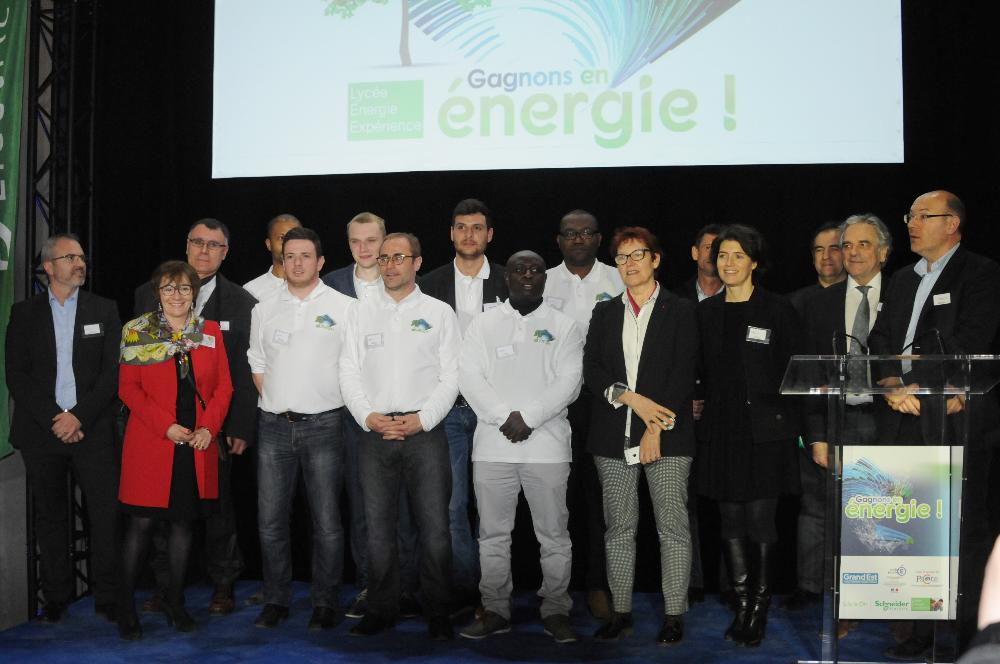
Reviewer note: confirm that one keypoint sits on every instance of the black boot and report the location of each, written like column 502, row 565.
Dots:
column 129, row 628
column 762, row 585
column 177, row 615
column 735, row 553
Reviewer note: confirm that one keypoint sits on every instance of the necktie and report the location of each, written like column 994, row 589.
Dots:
column 862, row 321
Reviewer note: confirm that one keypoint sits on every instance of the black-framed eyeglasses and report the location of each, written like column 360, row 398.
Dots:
column 397, row 259
column 909, row 218
column 521, row 270
column 70, row 258
column 636, row 256
column 211, row 244
column 586, row 234
column 170, row 289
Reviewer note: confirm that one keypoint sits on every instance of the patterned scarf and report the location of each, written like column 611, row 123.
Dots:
column 149, row 339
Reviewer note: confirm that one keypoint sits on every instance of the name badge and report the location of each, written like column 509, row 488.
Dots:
column 490, row 305
column 758, row 335
column 224, row 325
column 208, row 340
column 942, row 298
column 505, row 351
column 374, row 340
column 878, row 307
column 282, row 337
column 92, row 330
column 556, row 303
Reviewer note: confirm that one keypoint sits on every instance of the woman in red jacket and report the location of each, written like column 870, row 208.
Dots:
column 174, row 378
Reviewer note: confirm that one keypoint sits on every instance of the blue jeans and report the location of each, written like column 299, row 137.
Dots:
column 459, row 426
column 314, row 448
column 358, row 535
column 420, row 465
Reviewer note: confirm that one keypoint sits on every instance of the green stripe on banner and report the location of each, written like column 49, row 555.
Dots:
column 13, row 19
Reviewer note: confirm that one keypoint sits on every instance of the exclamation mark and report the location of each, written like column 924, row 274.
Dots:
column 729, row 120
column 940, row 508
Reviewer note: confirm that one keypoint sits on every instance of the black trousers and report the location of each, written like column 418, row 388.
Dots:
column 95, row 465
column 586, row 506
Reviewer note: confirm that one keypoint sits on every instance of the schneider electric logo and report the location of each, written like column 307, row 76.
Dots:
column 860, row 577
column 892, row 605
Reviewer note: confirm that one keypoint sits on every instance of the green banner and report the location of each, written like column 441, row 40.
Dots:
column 13, row 18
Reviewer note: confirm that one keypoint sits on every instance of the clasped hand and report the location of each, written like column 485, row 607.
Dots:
column 394, row 427
column 199, row 439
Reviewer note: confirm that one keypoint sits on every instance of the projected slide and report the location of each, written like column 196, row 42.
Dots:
column 368, row 86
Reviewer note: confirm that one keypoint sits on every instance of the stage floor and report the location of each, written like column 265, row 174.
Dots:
column 84, row 637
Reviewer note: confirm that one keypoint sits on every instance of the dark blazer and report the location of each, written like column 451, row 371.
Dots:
column 967, row 323
column 31, row 370
column 230, row 304
column 824, row 318
column 342, row 280
column 666, row 373
column 440, row 283
column 801, row 296
column 773, row 416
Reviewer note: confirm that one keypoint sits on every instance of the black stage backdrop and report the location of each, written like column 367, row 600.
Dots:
column 153, row 165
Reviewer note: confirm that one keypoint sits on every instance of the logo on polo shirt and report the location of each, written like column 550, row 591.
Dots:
column 601, row 297
column 420, row 325
column 543, row 337
column 325, row 322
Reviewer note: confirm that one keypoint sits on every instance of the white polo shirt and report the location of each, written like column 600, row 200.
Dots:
column 264, row 286
column 576, row 297
column 296, row 344
column 401, row 357
column 531, row 364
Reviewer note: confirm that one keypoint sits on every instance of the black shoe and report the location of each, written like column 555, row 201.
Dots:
column 671, row 632
column 439, row 628
column 370, row 625
column 912, row 649
column 129, row 628
column 53, row 613
column 617, row 628
column 801, row 599
column 359, row 606
column 323, row 617
column 271, row 616
column 696, row 595
column 109, row 610
column 178, row 616
column 409, row 607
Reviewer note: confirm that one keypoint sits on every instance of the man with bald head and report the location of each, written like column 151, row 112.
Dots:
column 520, row 367
column 272, row 281
column 944, row 303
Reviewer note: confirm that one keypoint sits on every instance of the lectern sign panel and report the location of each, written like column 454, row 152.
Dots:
column 899, row 532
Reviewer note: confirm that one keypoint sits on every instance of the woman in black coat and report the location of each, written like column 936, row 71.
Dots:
column 747, row 457
column 639, row 362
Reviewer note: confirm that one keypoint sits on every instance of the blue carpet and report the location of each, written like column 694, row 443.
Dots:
column 84, row 637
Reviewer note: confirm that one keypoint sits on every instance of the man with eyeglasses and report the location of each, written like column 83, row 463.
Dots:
column 220, row 300
column 521, row 366
column 295, row 343
column 944, row 303
column 828, row 262
column 62, row 371
column 574, row 287
column 470, row 285
column 272, row 281
column 399, row 378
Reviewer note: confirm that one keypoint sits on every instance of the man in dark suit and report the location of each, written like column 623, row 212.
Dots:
column 946, row 302
column 365, row 233
column 62, row 370
column 470, row 284
column 846, row 308
column 226, row 302
column 828, row 261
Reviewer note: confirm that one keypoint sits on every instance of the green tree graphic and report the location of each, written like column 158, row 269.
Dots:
column 346, row 9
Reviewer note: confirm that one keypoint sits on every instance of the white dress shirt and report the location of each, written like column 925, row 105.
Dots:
column 295, row 343
column 401, row 357
column 469, row 294
column 365, row 289
column 204, row 293
column 633, row 336
column 531, row 364
column 852, row 301
column 576, row 297
column 264, row 286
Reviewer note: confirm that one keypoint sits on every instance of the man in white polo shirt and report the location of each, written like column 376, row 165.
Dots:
column 399, row 376
column 272, row 281
column 574, row 287
column 295, row 341
column 520, row 367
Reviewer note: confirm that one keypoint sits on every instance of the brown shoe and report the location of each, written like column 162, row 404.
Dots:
column 222, row 601
column 844, row 627
column 154, row 604
column 599, row 604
